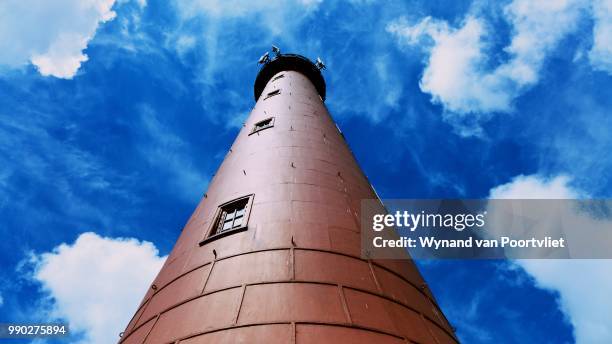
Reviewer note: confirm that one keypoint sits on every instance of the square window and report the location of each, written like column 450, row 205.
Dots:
column 261, row 125
column 272, row 94
column 231, row 217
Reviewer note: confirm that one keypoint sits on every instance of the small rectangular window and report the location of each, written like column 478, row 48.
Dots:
column 272, row 94
column 261, row 125
column 278, row 77
column 230, row 217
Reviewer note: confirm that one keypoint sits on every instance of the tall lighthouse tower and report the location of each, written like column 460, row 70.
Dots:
column 272, row 252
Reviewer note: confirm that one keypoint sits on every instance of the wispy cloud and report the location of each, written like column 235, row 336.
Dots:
column 209, row 26
column 29, row 152
column 165, row 151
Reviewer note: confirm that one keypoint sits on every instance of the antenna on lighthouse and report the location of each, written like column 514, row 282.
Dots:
column 264, row 58
column 320, row 64
column 276, row 50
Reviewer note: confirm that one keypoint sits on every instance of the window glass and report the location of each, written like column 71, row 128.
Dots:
column 237, row 222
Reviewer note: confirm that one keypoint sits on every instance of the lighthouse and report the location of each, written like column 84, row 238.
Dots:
column 272, row 252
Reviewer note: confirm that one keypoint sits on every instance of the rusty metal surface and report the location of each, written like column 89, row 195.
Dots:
column 295, row 274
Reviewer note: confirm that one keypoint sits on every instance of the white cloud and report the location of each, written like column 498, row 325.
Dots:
column 535, row 187
column 601, row 52
column 583, row 285
column 63, row 58
column 50, row 34
column 458, row 73
column 96, row 283
column 454, row 75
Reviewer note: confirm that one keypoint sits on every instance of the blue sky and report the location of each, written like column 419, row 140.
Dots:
column 115, row 114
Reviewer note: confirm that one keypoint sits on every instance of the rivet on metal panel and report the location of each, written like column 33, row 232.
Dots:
column 215, row 253
column 293, row 241
column 205, row 195
column 244, row 171
column 154, row 287
column 291, row 129
column 292, row 164
column 121, row 334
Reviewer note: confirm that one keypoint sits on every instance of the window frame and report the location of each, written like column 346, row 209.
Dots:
column 272, row 94
column 257, row 129
column 212, row 232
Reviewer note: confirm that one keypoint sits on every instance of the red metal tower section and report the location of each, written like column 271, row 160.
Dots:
column 272, row 252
